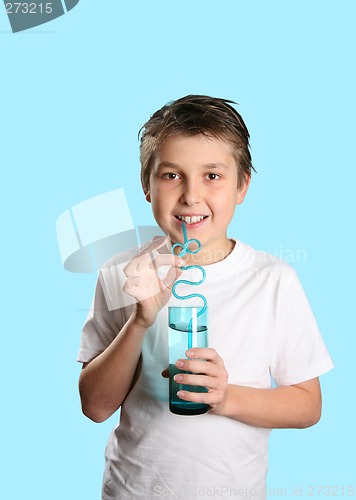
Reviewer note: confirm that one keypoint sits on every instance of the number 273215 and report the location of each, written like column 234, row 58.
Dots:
column 29, row 8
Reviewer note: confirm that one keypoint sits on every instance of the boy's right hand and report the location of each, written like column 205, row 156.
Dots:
column 143, row 282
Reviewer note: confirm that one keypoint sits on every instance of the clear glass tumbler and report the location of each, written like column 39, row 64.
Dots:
column 188, row 328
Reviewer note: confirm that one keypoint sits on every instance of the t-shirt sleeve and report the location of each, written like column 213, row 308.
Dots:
column 101, row 327
column 300, row 352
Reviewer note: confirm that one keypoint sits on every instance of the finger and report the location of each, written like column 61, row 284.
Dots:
column 132, row 290
column 145, row 257
column 132, row 266
column 198, row 366
column 167, row 260
column 140, row 289
column 195, row 380
column 134, row 280
column 165, row 373
column 156, row 243
column 148, row 262
column 171, row 276
column 131, row 284
column 207, row 398
column 151, row 261
column 204, row 353
column 144, row 262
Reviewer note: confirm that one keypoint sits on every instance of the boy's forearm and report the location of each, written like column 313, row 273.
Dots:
column 297, row 406
column 105, row 382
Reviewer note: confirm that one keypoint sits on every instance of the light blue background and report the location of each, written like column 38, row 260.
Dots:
column 74, row 93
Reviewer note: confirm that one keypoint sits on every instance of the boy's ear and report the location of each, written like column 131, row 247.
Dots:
column 242, row 190
column 148, row 197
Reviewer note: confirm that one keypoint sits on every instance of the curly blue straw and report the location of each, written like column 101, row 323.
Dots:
column 185, row 250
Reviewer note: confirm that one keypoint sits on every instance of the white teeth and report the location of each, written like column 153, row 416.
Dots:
column 191, row 220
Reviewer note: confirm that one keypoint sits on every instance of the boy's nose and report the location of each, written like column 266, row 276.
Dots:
column 190, row 194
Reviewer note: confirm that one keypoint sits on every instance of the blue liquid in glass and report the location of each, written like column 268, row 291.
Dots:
column 178, row 344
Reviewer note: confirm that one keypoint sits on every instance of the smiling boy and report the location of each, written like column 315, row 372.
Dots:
column 196, row 168
column 196, row 176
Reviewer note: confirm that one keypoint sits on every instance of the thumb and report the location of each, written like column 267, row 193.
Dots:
column 165, row 373
column 172, row 275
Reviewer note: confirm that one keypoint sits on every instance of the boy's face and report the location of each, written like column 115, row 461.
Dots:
column 195, row 178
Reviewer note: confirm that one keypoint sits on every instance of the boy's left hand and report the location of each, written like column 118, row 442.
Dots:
column 208, row 370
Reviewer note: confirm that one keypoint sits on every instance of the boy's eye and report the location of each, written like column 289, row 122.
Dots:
column 213, row 176
column 170, row 176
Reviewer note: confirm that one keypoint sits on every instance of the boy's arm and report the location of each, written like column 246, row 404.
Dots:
column 297, row 405
column 107, row 379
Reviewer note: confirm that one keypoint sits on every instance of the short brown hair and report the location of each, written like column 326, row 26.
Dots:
column 192, row 115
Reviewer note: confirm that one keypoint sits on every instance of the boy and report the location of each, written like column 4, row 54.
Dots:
column 196, row 168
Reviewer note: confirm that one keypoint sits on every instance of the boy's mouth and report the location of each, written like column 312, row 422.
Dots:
column 191, row 219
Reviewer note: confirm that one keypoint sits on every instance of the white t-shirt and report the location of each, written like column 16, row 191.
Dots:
column 261, row 325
